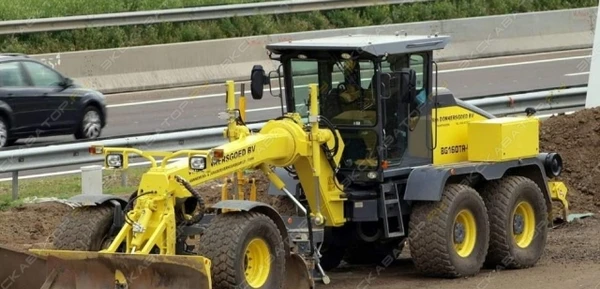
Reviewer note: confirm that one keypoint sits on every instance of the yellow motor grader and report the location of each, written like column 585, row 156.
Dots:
column 368, row 162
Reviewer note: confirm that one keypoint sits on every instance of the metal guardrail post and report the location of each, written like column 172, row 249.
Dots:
column 91, row 180
column 15, row 185
column 124, row 178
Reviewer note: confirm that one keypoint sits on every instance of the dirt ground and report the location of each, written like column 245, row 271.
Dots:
column 571, row 260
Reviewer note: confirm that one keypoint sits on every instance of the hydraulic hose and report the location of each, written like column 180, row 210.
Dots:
column 198, row 217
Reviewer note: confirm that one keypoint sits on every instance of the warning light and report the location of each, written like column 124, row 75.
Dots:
column 96, row 150
column 218, row 153
column 385, row 164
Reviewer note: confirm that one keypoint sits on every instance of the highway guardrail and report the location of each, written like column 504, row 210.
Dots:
column 51, row 156
column 184, row 14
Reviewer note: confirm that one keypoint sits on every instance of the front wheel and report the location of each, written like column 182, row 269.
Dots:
column 84, row 229
column 246, row 250
column 91, row 124
column 450, row 238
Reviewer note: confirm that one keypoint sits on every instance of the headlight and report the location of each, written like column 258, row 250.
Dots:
column 114, row 161
column 372, row 175
column 197, row 163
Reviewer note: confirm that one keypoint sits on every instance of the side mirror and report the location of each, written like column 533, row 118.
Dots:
column 408, row 84
column 67, row 82
column 258, row 79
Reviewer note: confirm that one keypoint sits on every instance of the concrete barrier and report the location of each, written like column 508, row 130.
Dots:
column 130, row 69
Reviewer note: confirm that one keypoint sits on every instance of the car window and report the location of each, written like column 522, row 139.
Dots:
column 41, row 75
column 10, row 75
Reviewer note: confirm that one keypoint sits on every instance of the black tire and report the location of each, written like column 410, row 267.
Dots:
column 334, row 247
column 431, row 234
column 84, row 229
column 502, row 197
column 373, row 253
column 331, row 257
column 225, row 240
column 80, row 133
column 11, row 141
column 5, row 139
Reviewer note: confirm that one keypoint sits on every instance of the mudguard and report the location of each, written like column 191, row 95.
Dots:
column 427, row 183
column 118, row 203
column 96, row 200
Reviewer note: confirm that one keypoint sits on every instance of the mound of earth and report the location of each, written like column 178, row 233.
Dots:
column 31, row 225
column 576, row 138
column 211, row 192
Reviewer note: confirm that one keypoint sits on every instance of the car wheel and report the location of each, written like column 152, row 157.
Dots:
column 91, row 124
column 4, row 141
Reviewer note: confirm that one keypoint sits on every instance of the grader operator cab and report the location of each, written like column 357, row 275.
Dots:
column 366, row 159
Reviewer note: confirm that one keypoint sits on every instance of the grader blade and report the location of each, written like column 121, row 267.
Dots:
column 95, row 270
column 20, row 270
column 297, row 273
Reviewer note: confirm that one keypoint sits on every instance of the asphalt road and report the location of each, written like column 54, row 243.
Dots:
column 465, row 79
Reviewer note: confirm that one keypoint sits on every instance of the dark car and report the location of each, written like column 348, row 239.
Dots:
column 38, row 101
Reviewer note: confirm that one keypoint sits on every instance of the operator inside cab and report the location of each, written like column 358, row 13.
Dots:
column 353, row 98
column 351, row 104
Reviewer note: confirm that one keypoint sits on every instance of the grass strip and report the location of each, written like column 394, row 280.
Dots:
column 63, row 187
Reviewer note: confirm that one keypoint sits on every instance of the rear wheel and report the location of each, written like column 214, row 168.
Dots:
column 246, row 250
column 91, row 124
column 362, row 253
column 450, row 238
column 518, row 222
column 84, row 229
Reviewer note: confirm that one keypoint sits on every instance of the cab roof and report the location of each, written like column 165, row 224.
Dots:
column 375, row 45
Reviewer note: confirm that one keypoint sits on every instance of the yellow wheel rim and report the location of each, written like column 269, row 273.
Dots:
column 523, row 224
column 257, row 263
column 465, row 232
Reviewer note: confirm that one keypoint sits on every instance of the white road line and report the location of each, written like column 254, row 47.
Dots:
column 267, row 90
column 516, row 63
column 578, row 73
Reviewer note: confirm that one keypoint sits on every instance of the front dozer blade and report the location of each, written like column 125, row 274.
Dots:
column 298, row 275
column 20, row 270
column 96, row 270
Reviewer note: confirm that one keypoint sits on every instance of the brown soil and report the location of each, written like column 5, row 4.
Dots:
column 576, row 138
column 211, row 192
column 31, row 225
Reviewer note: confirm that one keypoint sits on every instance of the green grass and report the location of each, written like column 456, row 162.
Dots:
column 25, row 9
column 68, row 186
column 111, row 37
